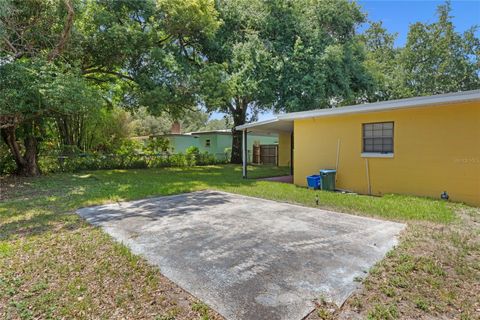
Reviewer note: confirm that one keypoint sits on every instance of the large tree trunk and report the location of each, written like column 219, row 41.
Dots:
column 27, row 163
column 236, row 146
column 239, row 113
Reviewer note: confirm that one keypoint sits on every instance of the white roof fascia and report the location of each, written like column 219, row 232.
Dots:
column 386, row 105
column 255, row 124
column 436, row 100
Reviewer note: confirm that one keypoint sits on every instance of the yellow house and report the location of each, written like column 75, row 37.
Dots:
column 419, row 146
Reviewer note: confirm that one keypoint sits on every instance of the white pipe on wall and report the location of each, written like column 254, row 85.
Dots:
column 338, row 157
column 368, row 177
column 244, row 153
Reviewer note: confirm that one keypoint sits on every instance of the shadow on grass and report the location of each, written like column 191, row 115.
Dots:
column 47, row 203
column 154, row 209
column 37, row 224
column 41, row 204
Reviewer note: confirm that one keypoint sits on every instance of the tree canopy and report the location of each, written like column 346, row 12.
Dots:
column 436, row 59
column 78, row 73
column 56, row 55
column 285, row 55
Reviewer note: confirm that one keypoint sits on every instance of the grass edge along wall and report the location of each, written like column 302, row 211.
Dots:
column 436, row 149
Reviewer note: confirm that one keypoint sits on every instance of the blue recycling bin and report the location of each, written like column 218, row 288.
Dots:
column 314, row 181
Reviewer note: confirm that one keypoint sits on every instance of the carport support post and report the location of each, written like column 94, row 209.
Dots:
column 244, row 153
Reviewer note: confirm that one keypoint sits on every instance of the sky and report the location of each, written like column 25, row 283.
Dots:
column 397, row 15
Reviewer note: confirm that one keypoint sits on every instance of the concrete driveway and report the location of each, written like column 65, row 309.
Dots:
column 249, row 258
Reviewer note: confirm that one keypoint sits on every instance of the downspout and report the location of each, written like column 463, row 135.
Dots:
column 338, row 158
column 291, row 153
column 244, row 153
column 369, row 187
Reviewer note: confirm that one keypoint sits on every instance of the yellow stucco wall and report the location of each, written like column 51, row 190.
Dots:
column 284, row 143
column 435, row 149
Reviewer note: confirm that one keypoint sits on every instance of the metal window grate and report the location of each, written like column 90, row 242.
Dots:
column 378, row 137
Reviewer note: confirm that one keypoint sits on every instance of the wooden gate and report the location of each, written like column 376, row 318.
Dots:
column 256, row 154
column 265, row 154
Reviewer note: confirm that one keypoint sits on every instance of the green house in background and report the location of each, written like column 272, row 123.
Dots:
column 216, row 142
column 180, row 142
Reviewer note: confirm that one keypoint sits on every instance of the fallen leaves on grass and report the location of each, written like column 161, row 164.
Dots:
column 433, row 274
column 83, row 273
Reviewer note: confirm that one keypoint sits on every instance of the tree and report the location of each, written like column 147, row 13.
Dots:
column 31, row 92
column 232, row 81
column 34, row 35
column 382, row 61
column 106, row 129
column 144, row 123
column 151, row 46
column 194, row 120
column 133, row 53
column 218, row 124
column 286, row 55
column 319, row 60
column 437, row 59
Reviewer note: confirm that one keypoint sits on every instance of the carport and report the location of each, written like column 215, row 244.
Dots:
column 282, row 127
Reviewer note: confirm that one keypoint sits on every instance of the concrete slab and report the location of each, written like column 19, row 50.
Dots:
column 249, row 258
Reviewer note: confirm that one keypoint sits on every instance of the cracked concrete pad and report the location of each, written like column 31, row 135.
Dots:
column 249, row 258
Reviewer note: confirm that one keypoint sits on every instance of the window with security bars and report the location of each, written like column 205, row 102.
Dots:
column 378, row 137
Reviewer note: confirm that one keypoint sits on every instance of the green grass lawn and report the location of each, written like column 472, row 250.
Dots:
column 53, row 264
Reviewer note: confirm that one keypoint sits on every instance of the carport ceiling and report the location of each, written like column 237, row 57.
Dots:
column 270, row 126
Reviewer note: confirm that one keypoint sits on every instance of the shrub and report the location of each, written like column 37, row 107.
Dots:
column 228, row 154
column 96, row 161
column 157, row 145
column 206, row 159
column 192, row 155
column 177, row 160
column 130, row 155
